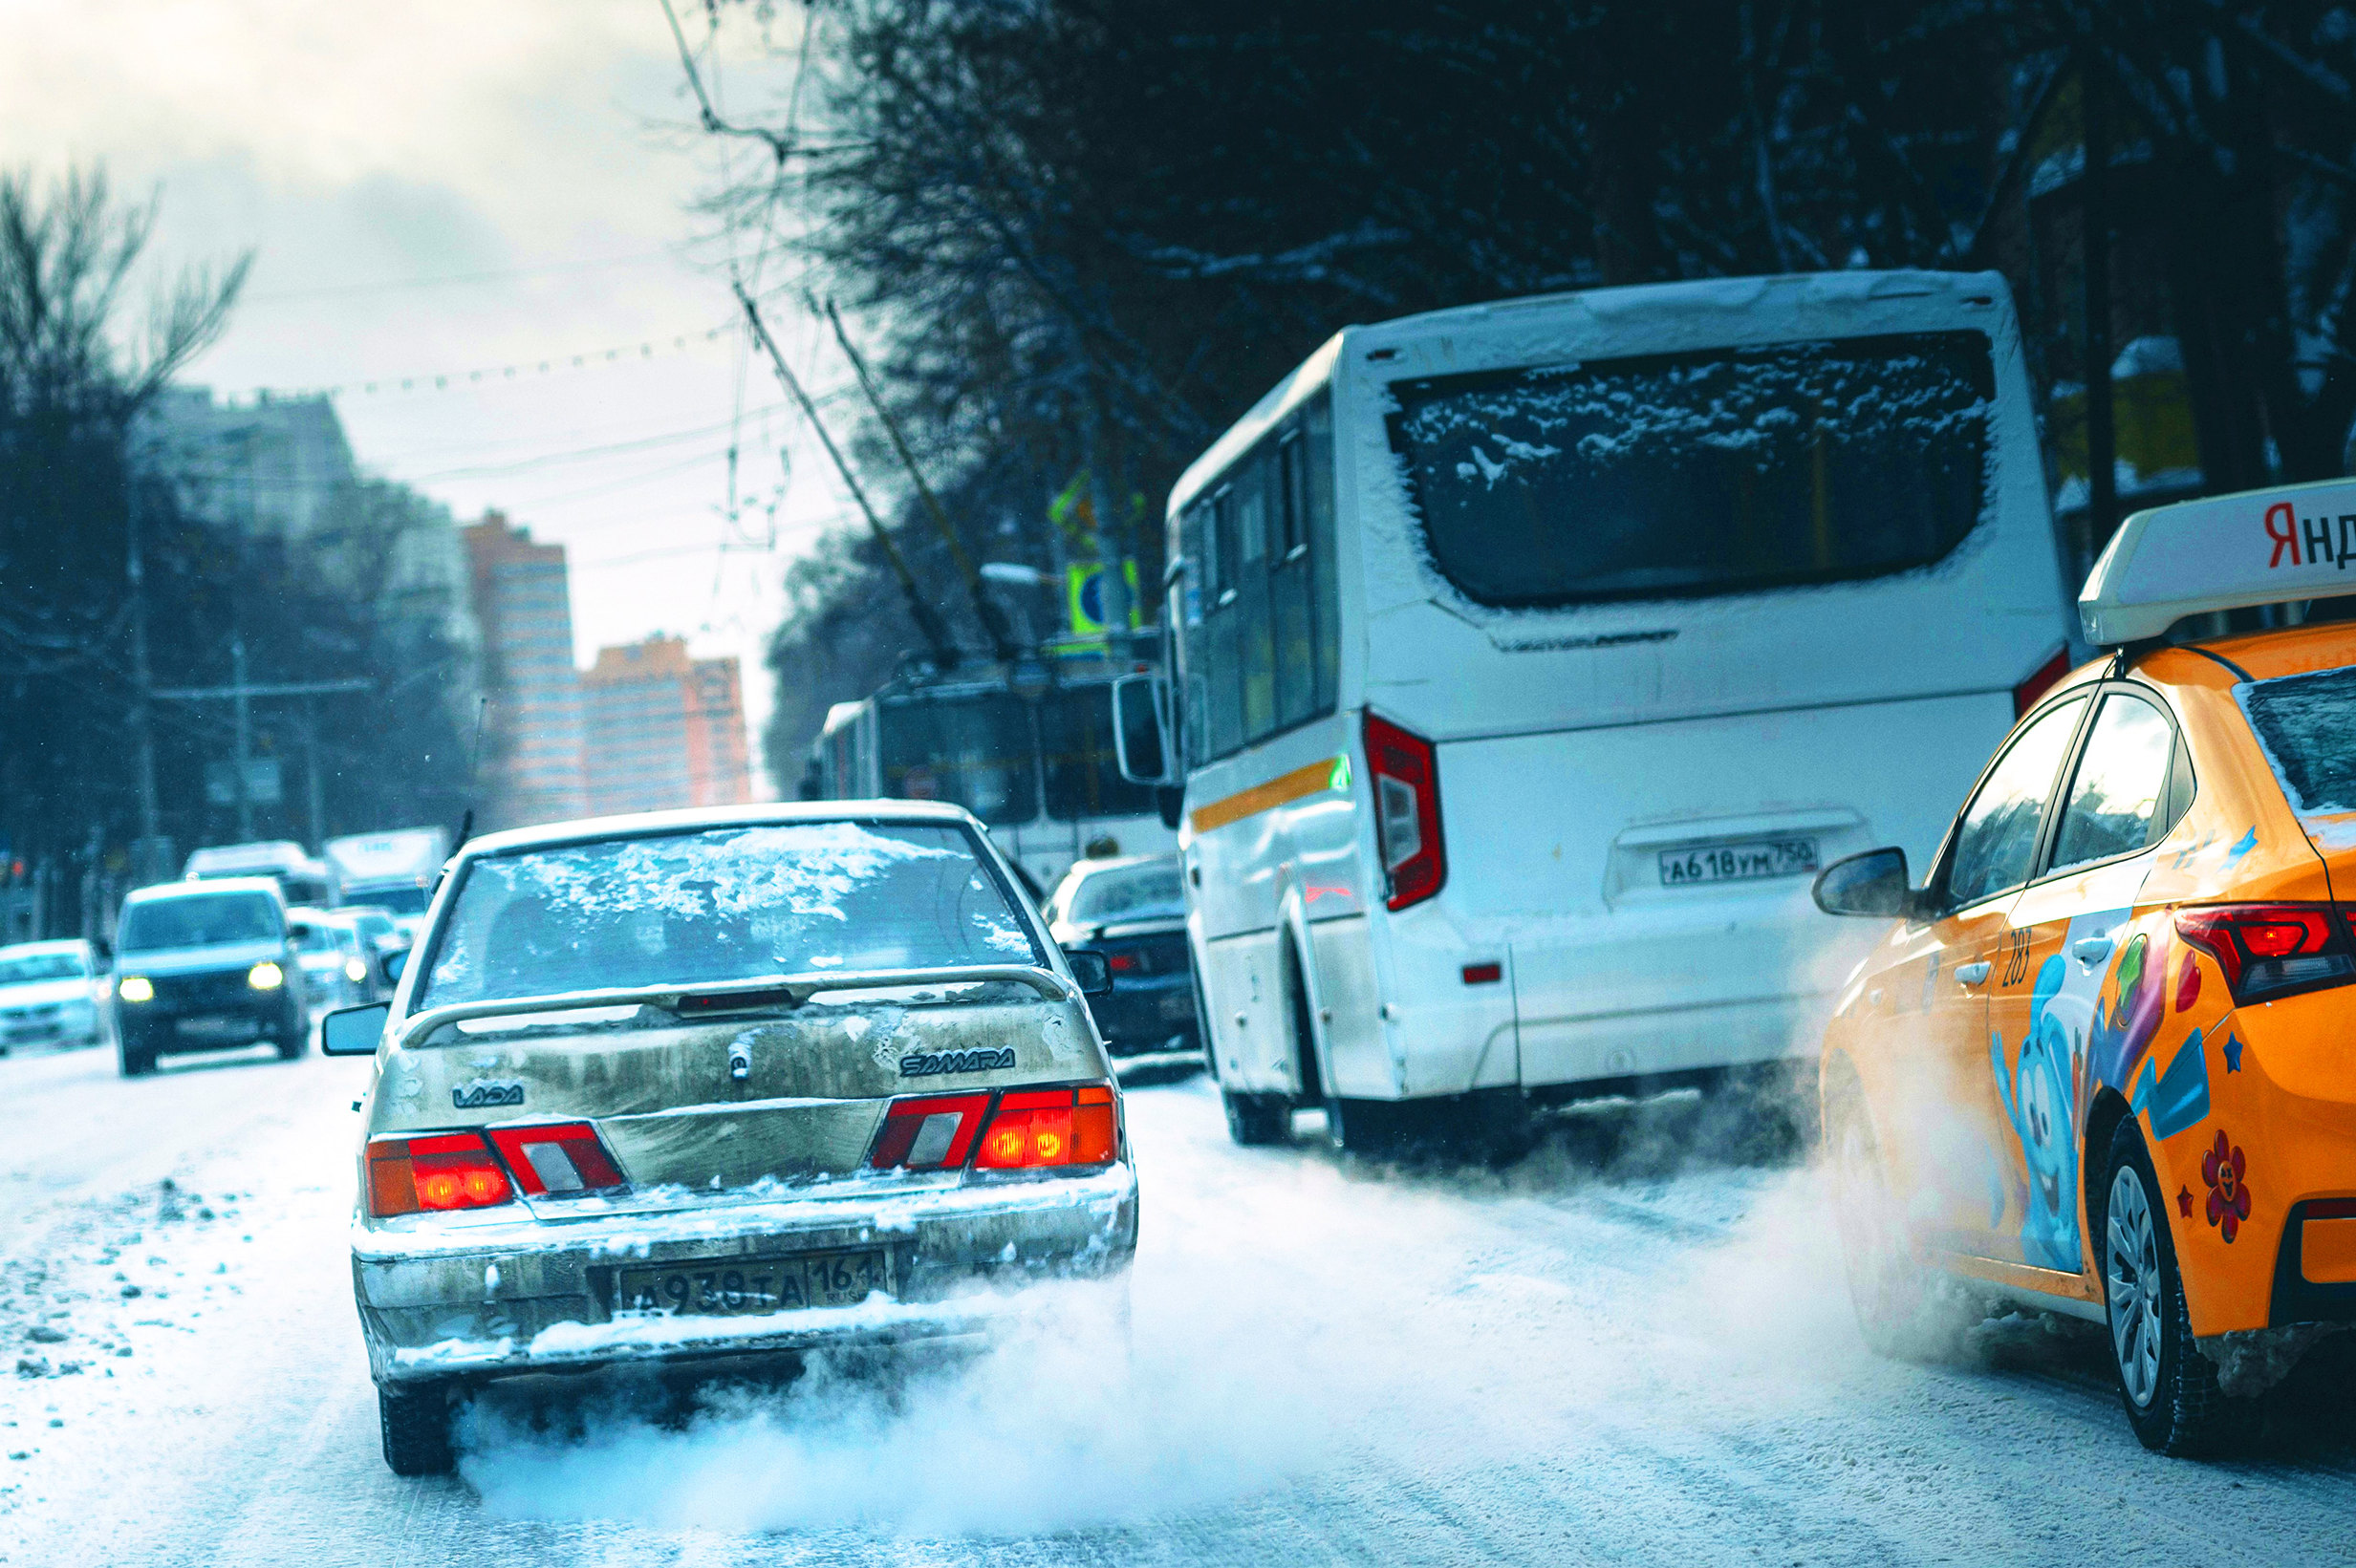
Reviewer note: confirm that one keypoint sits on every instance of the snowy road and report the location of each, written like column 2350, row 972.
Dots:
column 1612, row 1354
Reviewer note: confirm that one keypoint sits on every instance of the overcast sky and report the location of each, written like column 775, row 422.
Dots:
column 434, row 188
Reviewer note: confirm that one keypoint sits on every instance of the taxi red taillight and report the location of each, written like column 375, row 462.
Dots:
column 434, row 1170
column 561, row 1160
column 1044, row 1127
column 1404, row 771
column 2273, row 950
column 930, row 1132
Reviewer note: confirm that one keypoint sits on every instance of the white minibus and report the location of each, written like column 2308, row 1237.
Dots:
column 1037, row 766
column 1530, row 658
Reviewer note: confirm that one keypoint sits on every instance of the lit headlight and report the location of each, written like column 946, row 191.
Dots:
column 354, row 971
column 266, row 977
column 134, row 988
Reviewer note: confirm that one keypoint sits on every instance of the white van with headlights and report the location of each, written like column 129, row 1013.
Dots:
column 1530, row 658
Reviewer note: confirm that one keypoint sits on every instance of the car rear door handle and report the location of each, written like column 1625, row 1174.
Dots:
column 1972, row 974
column 2092, row 950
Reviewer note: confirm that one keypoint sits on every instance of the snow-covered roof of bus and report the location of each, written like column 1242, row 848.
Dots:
column 2277, row 546
column 1712, row 296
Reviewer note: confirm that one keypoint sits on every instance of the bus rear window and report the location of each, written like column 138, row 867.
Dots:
column 1675, row 475
column 2307, row 725
column 971, row 749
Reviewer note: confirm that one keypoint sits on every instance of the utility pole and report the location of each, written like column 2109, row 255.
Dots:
column 149, row 858
column 241, row 695
column 239, row 700
column 316, row 789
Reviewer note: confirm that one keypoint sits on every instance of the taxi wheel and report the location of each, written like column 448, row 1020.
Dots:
column 414, row 1420
column 1896, row 1310
column 2169, row 1389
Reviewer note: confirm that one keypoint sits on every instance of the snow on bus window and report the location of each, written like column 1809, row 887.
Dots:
column 1725, row 471
column 726, row 904
column 2307, row 724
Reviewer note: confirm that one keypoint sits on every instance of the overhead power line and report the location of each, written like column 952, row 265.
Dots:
column 450, row 279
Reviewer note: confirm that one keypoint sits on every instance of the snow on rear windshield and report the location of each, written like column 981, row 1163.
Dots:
column 1725, row 471
column 735, row 903
column 2307, row 726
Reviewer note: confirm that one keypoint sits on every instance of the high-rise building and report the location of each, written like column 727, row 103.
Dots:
column 664, row 730
column 531, row 751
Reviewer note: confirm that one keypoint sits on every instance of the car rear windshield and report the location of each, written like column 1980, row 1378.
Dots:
column 726, row 904
column 2307, row 725
column 32, row 968
column 1727, row 471
column 1144, row 892
column 207, row 920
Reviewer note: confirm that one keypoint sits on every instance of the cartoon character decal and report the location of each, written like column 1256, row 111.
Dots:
column 2043, row 1095
column 2093, row 1026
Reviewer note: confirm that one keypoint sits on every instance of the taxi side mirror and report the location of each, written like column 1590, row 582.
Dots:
column 354, row 1031
column 395, row 963
column 1874, row 884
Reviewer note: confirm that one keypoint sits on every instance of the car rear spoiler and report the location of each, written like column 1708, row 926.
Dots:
column 721, row 996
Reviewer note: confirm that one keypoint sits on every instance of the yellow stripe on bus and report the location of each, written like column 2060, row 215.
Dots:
column 1334, row 773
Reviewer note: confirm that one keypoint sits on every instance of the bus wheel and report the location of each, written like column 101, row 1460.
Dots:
column 1257, row 1118
column 1378, row 1128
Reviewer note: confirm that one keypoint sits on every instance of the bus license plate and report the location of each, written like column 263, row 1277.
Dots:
column 1737, row 862
column 734, row 1286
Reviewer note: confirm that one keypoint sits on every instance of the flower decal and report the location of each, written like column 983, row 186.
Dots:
column 2229, row 1198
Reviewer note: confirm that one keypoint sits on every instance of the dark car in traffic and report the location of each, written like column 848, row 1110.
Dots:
column 1133, row 910
column 204, row 966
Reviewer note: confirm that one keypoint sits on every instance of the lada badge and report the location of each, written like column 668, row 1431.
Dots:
column 480, row 1092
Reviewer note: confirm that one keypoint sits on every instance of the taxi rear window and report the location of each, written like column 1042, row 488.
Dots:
column 2307, row 723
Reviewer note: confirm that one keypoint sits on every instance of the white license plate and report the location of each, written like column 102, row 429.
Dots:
column 723, row 1287
column 1751, row 860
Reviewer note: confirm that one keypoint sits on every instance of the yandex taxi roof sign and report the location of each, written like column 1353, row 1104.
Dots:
column 2279, row 546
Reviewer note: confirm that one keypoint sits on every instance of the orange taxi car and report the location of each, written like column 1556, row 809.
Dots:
column 2101, row 1064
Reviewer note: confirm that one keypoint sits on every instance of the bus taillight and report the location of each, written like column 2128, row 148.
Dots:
column 1405, row 773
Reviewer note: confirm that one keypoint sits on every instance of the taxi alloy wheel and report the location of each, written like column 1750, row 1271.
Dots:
column 2132, row 1265
column 2169, row 1387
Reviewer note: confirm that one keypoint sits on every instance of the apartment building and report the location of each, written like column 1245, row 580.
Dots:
column 664, row 730
column 531, row 753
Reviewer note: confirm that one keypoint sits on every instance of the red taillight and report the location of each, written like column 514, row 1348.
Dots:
column 562, row 1160
column 1121, row 963
column 1484, row 974
column 2026, row 694
column 1405, row 774
column 2272, row 949
column 434, row 1170
column 931, row 1133
column 1036, row 1127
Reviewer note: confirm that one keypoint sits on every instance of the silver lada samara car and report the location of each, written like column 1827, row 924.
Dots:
column 702, row 1084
